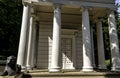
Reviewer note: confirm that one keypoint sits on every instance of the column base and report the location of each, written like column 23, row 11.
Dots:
column 87, row 69
column 102, row 67
column 54, row 70
column 94, row 66
column 23, row 67
column 115, row 68
column 28, row 67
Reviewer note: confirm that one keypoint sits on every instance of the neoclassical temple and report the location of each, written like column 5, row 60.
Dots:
column 58, row 34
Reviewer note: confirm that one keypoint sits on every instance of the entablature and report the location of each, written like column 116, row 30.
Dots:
column 90, row 3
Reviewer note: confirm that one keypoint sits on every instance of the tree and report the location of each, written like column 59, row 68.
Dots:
column 10, row 21
column 117, row 16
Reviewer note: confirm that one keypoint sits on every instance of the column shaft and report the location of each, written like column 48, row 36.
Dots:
column 92, row 50
column 23, row 36
column 33, row 45
column 56, row 40
column 101, row 55
column 87, row 55
column 29, row 51
column 114, row 46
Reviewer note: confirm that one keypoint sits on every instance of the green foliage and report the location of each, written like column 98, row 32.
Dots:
column 106, row 38
column 117, row 16
column 10, row 20
column 108, row 63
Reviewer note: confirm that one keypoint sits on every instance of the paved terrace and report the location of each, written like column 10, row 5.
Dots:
column 70, row 74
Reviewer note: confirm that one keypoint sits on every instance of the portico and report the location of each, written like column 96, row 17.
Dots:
column 56, row 35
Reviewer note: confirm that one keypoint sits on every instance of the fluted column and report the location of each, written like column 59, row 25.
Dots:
column 101, row 54
column 23, row 36
column 87, row 55
column 114, row 46
column 56, row 46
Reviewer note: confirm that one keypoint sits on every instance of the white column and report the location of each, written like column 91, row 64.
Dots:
column 101, row 54
column 92, row 46
column 114, row 46
column 29, row 49
column 56, row 49
column 36, row 41
column 23, row 36
column 87, row 55
column 33, row 45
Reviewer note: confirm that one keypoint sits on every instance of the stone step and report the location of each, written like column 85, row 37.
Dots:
column 72, row 75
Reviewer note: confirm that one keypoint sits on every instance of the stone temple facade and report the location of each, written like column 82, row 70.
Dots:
column 58, row 35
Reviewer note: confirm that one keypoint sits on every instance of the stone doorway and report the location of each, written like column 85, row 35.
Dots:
column 67, row 53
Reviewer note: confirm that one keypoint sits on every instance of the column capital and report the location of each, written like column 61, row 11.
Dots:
column 32, row 13
column 25, row 4
column 86, row 7
column 112, row 9
column 56, row 5
column 99, row 19
column 111, row 12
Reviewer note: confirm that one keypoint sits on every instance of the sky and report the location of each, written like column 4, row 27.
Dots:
column 118, row 1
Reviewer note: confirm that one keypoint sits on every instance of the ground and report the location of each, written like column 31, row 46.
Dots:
column 1, row 69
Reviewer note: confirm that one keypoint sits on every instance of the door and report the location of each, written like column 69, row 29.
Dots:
column 67, row 54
